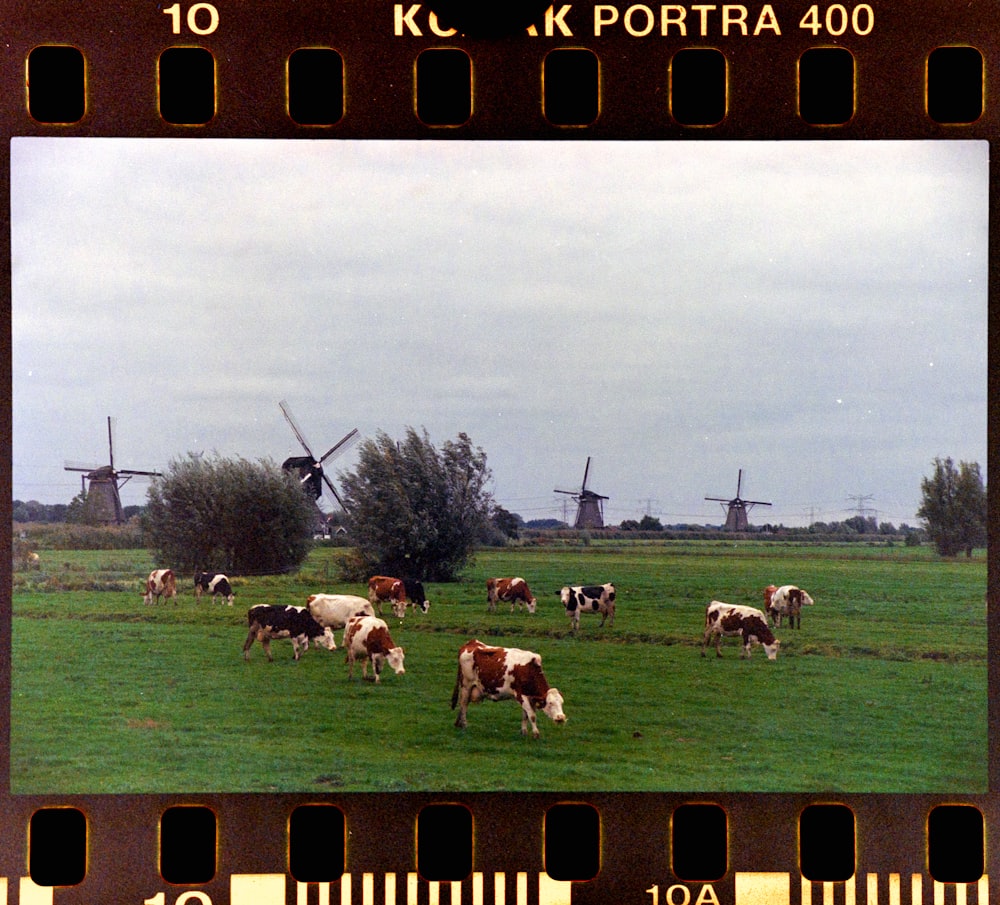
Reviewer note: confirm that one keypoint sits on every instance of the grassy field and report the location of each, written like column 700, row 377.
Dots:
column 883, row 689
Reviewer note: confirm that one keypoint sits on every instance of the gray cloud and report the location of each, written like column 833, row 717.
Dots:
column 812, row 312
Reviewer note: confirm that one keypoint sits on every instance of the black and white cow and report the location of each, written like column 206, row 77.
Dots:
column 589, row 599
column 268, row 621
column 746, row 622
column 213, row 583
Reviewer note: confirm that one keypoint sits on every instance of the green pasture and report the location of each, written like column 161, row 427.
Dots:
column 884, row 688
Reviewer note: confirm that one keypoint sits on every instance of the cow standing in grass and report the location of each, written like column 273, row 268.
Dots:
column 213, row 583
column 500, row 673
column 745, row 622
column 367, row 638
column 514, row 590
column 336, row 610
column 399, row 592
column 268, row 621
column 589, row 599
column 160, row 583
column 788, row 600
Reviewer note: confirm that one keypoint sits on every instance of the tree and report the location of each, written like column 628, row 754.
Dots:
column 509, row 524
column 415, row 511
column 954, row 507
column 228, row 514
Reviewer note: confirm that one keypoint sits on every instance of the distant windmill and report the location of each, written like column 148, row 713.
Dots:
column 737, row 508
column 309, row 468
column 590, row 506
column 104, row 502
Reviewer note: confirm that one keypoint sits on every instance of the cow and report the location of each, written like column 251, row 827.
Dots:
column 401, row 592
column 335, row 610
column 513, row 589
column 161, row 583
column 747, row 622
column 589, row 599
column 269, row 621
column 501, row 673
column 367, row 638
column 213, row 583
column 788, row 600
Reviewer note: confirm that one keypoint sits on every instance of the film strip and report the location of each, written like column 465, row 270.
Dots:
column 558, row 82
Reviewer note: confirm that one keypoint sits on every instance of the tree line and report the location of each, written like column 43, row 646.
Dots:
column 418, row 511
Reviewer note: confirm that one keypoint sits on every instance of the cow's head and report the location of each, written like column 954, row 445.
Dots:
column 395, row 660
column 399, row 608
column 531, row 604
column 772, row 650
column 326, row 639
column 805, row 600
column 553, row 707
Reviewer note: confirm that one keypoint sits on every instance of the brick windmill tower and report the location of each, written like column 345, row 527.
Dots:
column 737, row 508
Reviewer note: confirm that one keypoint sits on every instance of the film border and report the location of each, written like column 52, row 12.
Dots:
column 251, row 46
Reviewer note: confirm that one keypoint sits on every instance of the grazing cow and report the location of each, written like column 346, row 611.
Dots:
column 500, row 673
column 267, row 621
column 788, row 600
column 161, row 583
column 513, row 589
column 749, row 623
column 367, row 638
column 213, row 583
column 589, row 599
column 401, row 592
column 335, row 610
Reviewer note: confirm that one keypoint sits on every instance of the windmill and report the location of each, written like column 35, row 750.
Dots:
column 737, row 508
column 309, row 468
column 589, row 505
column 104, row 502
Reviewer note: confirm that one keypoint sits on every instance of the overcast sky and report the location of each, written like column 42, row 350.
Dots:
column 813, row 313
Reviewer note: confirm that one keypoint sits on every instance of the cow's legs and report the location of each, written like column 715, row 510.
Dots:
column 265, row 642
column 251, row 635
column 463, row 705
column 528, row 715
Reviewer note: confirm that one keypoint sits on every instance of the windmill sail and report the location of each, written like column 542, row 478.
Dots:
column 309, row 467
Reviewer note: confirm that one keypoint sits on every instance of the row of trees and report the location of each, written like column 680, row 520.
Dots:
column 414, row 510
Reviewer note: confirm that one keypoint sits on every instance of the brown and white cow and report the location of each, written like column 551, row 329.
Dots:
column 514, row 590
column 367, row 638
column 269, row 621
column 589, row 599
column 746, row 622
column 501, row 673
column 336, row 610
column 161, row 583
column 788, row 600
column 399, row 591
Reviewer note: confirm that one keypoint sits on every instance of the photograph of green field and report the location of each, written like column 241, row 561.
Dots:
column 882, row 689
